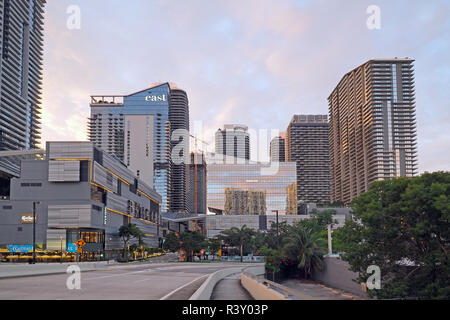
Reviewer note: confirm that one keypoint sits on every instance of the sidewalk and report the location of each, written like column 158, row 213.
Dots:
column 230, row 288
column 311, row 290
column 15, row 270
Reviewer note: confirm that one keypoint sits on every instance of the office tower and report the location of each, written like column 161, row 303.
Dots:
column 245, row 178
column 138, row 129
column 197, row 184
column 277, row 149
column 233, row 141
column 372, row 127
column 307, row 145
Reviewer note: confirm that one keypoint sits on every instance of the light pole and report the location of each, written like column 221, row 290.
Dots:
column 34, row 230
column 278, row 235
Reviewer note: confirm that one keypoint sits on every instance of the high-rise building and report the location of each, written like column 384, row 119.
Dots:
column 197, row 184
column 21, row 40
column 139, row 128
column 233, row 141
column 277, row 149
column 372, row 127
column 307, row 145
column 21, row 58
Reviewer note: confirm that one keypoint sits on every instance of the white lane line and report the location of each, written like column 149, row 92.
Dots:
column 117, row 275
column 178, row 289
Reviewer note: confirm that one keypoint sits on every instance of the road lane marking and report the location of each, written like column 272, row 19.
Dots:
column 182, row 287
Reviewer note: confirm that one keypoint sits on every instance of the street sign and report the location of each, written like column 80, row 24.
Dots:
column 80, row 249
column 80, row 243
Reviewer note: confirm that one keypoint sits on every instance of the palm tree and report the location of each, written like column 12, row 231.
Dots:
column 304, row 246
column 126, row 232
column 237, row 237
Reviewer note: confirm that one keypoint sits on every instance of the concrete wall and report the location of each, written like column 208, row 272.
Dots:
column 337, row 274
column 258, row 290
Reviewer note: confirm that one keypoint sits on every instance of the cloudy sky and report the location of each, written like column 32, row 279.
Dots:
column 253, row 62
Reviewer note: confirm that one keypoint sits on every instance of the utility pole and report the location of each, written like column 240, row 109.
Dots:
column 330, row 243
column 34, row 230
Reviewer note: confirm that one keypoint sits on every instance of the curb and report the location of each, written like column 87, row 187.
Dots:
column 206, row 289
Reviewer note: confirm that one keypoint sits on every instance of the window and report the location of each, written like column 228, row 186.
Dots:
column 7, row 207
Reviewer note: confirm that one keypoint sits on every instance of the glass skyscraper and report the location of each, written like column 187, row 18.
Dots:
column 246, row 189
column 165, row 109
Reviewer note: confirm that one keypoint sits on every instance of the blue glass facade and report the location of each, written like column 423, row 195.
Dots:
column 107, row 124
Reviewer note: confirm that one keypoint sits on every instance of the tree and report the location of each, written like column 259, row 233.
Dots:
column 126, row 232
column 190, row 242
column 270, row 239
column 303, row 245
column 214, row 246
column 237, row 237
column 402, row 226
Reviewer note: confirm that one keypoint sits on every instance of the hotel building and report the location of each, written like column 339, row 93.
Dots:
column 138, row 129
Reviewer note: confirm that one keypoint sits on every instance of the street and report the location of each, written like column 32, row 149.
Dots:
column 128, row 282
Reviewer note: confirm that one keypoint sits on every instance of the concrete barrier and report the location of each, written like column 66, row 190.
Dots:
column 206, row 289
column 258, row 290
column 337, row 274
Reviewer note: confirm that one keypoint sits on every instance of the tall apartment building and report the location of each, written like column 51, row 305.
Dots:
column 277, row 149
column 21, row 58
column 138, row 129
column 21, row 40
column 372, row 127
column 307, row 145
column 233, row 141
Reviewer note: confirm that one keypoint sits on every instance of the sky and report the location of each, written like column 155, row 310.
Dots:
column 252, row 62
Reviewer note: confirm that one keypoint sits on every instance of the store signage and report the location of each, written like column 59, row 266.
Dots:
column 20, row 248
column 71, row 247
column 155, row 98
column 27, row 218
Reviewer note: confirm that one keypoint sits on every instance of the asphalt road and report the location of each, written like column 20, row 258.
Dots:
column 129, row 282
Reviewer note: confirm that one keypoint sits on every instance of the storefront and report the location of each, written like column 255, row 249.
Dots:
column 93, row 250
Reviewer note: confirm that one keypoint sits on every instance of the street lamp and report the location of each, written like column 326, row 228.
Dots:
column 278, row 235
column 34, row 230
